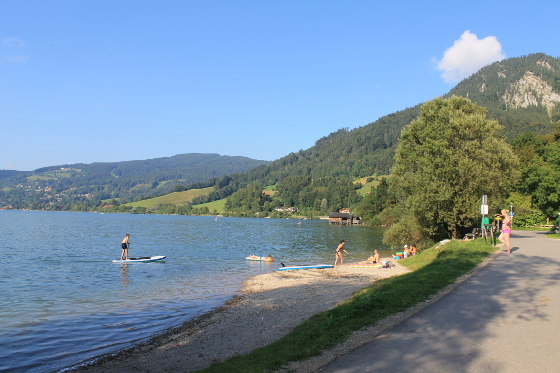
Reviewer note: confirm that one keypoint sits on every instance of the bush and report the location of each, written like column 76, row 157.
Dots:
column 531, row 217
column 406, row 232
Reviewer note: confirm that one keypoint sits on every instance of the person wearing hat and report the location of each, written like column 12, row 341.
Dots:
column 406, row 251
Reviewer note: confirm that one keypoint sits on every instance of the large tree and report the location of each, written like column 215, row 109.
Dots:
column 446, row 160
column 540, row 156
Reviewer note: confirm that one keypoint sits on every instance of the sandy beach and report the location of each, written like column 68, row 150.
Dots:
column 271, row 306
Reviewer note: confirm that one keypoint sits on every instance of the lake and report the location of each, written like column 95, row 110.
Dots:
column 63, row 300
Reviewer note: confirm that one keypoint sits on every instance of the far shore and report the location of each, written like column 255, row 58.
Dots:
column 272, row 305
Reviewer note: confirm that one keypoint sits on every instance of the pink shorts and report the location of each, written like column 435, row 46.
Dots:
column 508, row 231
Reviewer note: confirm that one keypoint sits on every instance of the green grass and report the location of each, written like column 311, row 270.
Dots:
column 214, row 205
column 554, row 235
column 366, row 186
column 176, row 198
column 433, row 269
column 53, row 175
column 270, row 190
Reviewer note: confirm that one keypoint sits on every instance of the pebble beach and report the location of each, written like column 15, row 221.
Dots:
column 270, row 306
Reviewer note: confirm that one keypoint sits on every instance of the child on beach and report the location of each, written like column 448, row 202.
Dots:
column 338, row 254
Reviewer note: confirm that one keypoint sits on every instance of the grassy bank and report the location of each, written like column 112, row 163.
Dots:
column 433, row 269
column 218, row 206
column 175, row 198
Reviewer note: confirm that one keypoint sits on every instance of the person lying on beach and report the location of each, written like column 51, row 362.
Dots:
column 338, row 254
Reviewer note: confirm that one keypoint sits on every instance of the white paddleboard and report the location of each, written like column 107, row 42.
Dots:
column 141, row 259
column 316, row 266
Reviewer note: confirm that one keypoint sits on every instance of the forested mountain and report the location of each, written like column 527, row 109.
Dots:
column 523, row 94
column 81, row 186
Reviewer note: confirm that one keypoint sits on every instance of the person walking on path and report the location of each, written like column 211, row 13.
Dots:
column 506, row 231
column 124, row 245
column 338, row 254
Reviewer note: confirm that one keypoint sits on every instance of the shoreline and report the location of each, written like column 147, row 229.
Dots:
column 270, row 307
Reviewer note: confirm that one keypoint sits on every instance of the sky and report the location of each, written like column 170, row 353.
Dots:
column 104, row 81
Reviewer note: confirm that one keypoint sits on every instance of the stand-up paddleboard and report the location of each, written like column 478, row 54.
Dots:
column 141, row 259
column 260, row 258
column 316, row 266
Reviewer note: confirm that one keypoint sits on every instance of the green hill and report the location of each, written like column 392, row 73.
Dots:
column 175, row 198
column 84, row 186
column 523, row 94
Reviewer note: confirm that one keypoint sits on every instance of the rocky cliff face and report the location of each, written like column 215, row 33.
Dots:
column 522, row 93
column 531, row 90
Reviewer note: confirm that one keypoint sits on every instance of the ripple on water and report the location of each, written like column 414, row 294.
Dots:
column 64, row 301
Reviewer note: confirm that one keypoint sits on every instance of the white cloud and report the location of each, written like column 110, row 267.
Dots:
column 468, row 55
column 11, row 50
column 16, row 59
column 13, row 42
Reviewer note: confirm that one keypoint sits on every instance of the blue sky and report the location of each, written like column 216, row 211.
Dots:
column 98, row 81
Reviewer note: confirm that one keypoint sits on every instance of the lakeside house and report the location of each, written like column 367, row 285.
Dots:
column 343, row 217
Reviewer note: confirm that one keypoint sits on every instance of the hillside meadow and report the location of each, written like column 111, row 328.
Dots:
column 175, row 198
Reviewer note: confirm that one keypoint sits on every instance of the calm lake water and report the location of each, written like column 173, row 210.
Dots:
column 63, row 301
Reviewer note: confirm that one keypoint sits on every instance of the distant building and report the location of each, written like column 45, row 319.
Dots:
column 343, row 217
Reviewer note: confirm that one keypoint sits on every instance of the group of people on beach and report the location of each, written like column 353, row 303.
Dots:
column 409, row 251
column 373, row 259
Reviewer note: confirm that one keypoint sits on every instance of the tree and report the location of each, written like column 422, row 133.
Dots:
column 374, row 202
column 446, row 160
column 540, row 157
column 542, row 180
column 324, row 205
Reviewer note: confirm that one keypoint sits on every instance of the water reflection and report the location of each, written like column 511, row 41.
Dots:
column 124, row 275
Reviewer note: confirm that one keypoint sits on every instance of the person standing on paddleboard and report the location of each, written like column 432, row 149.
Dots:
column 125, row 244
column 339, row 251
